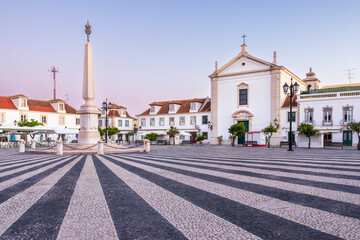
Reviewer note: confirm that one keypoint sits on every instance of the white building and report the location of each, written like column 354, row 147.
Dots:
column 53, row 114
column 329, row 109
column 250, row 90
column 118, row 117
column 191, row 117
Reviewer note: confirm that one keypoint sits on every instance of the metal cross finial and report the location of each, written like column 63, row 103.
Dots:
column 88, row 30
column 243, row 36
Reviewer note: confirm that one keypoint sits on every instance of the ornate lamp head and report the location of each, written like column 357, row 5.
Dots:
column 88, row 30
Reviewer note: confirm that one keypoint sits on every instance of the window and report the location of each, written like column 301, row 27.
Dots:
column 193, row 106
column 152, row 121
column 171, row 121
column 205, row 119
column 293, row 117
column 103, row 112
column 348, row 114
column 23, row 103
column 61, row 107
column 119, row 123
column 327, row 116
column 172, row 107
column 309, row 116
column 182, row 137
column 143, row 122
column 328, row 137
column 100, row 123
column 77, row 121
column 44, row 119
column 152, row 108
column 192, row 120
column 2, row 117
column 182, row 121
column 23, row 117
column 126, row 123
column 61, row 120
column 243, row 97
column 205, row 134
column 161, row 121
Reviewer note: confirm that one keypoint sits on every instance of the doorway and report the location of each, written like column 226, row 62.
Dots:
column 347, row 138
column 241, row 139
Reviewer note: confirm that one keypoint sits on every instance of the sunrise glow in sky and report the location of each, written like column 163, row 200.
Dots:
column 147, row 51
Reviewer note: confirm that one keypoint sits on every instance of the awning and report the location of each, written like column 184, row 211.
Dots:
column 182, row 133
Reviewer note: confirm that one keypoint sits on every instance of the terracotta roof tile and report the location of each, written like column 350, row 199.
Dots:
column 287, row 102
column 40, row 105
column 70, row 109
column 113, row 113
column 18, row 95
column 7, row 103
column 184, row 108
column 128, row 115
column 115, row 106
column 207, row 107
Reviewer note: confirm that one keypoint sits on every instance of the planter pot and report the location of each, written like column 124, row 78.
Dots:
column 219, row 143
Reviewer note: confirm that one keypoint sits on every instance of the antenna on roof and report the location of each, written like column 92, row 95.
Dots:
column 349, row 73
column 54, row 71
column 67, row 97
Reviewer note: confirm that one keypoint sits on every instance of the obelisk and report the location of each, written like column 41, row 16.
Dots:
column 88, row 133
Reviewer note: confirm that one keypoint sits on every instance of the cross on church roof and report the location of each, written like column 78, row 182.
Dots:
column 244, row 36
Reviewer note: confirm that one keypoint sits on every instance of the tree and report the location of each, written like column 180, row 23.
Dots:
column 101, row 131
column 200, row 138
column 172, row 132
column 236, row 130
column 112, row 131
column 131, row 133
column 269, row 131
column 151, row 136
column 308, row 130
column 355, row 127
column 32, row 123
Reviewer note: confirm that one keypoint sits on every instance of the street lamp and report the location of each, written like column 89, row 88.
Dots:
column 15, row 123
column 106, row 105
column 293, row 90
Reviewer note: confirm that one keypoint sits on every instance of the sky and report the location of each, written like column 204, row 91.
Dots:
column 146, row 51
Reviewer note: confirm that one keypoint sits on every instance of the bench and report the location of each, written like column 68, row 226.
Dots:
column 183, row 142
column 333, row 144
column 250, row 143
column 286, row 143
column 139, row 141
column 162, row 142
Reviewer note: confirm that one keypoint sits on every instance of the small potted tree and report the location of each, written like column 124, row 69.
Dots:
column 269, row 131
column 220, row 139
column 236, row 130
column 152, row 137
column 200, row 138
column 355, row 127
column 308, row 130
column 172, row 132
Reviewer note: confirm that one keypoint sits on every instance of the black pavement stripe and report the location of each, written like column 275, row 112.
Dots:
column 257, row 222
column 321, row 203
column 332, row 175
column 280, row 160
column 305, row 182
column 133, row 217
column 19, row 187
column 43, row 219
column 276, row 163
column 26, row 164
column 22, row 161
column 7, row 177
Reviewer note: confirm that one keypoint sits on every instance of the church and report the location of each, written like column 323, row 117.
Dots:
column 250, row 90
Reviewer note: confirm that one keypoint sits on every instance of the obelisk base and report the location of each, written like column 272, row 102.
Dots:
column 88, row 133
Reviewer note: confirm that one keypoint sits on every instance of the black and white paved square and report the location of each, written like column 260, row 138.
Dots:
column 209, row 192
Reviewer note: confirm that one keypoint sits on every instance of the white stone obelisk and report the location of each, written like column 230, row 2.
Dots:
column 88, row 133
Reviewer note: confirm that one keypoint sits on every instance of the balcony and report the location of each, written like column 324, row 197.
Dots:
column 327, row 123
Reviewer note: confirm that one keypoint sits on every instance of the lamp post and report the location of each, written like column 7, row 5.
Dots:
column 106, row 105
column 293, row 90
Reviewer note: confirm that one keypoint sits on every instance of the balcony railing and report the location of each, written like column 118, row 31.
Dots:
column 327, row 123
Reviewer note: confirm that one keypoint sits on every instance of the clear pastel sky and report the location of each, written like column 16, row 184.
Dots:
column 147, row 51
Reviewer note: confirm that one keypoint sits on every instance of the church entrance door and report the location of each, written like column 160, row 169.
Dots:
column 241, row 139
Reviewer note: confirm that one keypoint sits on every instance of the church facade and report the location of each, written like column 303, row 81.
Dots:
column 250, row 90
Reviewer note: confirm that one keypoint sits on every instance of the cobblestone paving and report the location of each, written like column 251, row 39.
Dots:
column 187, row 192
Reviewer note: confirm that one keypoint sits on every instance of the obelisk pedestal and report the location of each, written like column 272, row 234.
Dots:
column 88, row 133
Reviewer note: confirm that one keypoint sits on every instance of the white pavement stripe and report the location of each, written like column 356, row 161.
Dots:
column 337, row 225
column 21, row 160
column 27, row 167
column 16, row 206
column 88, row 215
column 180, row 213
column 252, row 168
column 15, row 180
column 320, row 192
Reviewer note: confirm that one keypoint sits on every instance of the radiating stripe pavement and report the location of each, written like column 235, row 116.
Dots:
column 179, row 196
